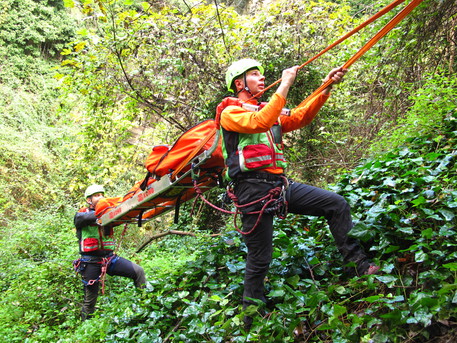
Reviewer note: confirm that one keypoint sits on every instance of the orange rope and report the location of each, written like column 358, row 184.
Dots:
column 367, row 46
column 389, row 26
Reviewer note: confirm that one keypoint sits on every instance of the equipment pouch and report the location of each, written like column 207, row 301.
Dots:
column 79, row 265
column 89, row 244
column 255, row 157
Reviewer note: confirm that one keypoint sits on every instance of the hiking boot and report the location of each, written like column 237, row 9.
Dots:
column 372, row 269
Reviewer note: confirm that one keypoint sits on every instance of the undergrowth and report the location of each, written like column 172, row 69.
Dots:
column 404, row 204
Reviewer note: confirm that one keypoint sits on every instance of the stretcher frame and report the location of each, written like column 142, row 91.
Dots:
column 167, row 192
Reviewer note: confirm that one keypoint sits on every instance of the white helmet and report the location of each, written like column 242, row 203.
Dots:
column 93, row 189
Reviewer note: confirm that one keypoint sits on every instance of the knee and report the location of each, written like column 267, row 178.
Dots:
column 341, row 205
column 140, row 278
column 258, row 265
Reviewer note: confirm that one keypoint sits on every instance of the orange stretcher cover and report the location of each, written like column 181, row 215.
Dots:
column 165, row 159
column 172, row 162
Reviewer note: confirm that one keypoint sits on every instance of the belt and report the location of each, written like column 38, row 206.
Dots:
column 260, row 176
column 95, row 258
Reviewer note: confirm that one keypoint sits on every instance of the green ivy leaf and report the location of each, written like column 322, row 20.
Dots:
column 448, row 215
column 420, row 256
column 419, row 201
column 391, row 249
column 362, row 232
column 406, row 230
column 427, row 233
column 339, row 310
column 451, row 266
column 277, row 293
column 373, row 298
column 293, row 280
column 389, row 280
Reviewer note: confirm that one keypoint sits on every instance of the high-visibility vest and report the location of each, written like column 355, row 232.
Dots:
column 245, row 152
column 94, row 237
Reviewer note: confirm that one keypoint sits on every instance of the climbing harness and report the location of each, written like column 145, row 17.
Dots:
column 274, row 202
column 107, row 264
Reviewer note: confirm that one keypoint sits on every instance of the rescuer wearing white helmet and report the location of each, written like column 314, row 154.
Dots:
column 255, row 164
column 96, row 245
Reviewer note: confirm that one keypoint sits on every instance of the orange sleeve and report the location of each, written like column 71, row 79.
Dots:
column 304, row 113
column 237, row 119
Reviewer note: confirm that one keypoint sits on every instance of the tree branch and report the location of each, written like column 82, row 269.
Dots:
column 163, row 234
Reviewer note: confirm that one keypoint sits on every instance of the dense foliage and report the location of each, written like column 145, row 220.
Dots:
column 404, row 203
column 34, row 132
column 130, row 74
column 30, row 30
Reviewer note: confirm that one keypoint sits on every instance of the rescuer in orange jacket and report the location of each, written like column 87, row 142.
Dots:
column 253, row 153
column 96, row 245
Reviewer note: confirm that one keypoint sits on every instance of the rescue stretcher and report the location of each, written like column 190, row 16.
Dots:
column 195, row 159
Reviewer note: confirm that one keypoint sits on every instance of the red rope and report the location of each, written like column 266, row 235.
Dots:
column 105, row 263
column 120, row 238
column 271, row 196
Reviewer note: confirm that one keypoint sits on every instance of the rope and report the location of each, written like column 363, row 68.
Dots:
column 271, row 197
column 389, row 26
column 117, row 247
column 101, row 278
column 105, row 262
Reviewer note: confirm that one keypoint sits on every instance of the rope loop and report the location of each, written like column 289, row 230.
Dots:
column 274, row 203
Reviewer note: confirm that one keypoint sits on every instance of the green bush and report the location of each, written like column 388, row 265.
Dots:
column 431, row 105
column 38, row 286
column 30, row 30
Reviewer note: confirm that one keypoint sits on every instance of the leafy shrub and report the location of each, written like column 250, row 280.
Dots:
column 30, row 30
column 431, row 104
column 39, row 290
column 404, row 204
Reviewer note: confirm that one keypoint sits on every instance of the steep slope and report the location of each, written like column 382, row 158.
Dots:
column 405, row 204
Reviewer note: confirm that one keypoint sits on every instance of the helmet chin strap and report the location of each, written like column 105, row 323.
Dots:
column 245, row 88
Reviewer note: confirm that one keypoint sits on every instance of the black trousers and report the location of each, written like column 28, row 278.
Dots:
column 302, row 199
column 91, row 270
